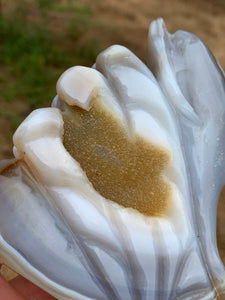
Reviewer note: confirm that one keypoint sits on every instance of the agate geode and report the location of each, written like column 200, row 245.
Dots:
column 113, row 191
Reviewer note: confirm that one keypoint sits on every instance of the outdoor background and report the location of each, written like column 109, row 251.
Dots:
column 39, row 39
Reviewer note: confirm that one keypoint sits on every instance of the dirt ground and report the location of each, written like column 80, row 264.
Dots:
column 126, row 22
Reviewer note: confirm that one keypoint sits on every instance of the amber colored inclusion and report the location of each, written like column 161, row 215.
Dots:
column 122, row 169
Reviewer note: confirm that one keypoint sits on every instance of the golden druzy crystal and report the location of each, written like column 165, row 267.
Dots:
column 122, row 168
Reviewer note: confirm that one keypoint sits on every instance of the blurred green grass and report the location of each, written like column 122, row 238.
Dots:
column 33, row 52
